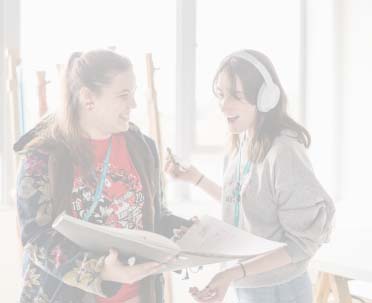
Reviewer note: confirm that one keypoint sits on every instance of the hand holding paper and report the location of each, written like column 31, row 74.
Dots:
column 207, row 241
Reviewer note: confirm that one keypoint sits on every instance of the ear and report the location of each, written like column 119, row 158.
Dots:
column 87, row 99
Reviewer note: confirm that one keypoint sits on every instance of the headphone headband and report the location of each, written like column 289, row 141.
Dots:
column 253, row 60
column 269, row 93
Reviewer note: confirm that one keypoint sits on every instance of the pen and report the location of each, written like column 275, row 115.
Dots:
column 171, row 156
column 174, row 161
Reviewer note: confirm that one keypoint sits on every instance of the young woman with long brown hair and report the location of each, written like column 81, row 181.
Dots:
column 89, row 160
column 269, row 187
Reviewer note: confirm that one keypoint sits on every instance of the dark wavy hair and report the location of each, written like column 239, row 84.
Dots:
column 269, row 125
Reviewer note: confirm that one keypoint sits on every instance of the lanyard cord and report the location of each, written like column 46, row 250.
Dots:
column 97, row 196
column 99, row 188
column 237, row 195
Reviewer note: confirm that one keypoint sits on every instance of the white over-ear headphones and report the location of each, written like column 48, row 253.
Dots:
column 269, row 93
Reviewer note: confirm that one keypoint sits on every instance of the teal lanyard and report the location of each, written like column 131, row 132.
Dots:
column 238, row 186
column 99, row 188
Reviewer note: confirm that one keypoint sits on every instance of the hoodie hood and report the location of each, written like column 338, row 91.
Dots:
column 39, row 131
column 42, row 132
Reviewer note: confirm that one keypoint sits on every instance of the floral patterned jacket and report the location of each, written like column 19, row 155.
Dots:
column 55, row 269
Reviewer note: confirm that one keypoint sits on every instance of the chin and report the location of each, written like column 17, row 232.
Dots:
column 123, row 127
column 236, row 130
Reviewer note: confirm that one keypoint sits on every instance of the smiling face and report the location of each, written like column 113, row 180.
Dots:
column 108, row 111
column 240, row 114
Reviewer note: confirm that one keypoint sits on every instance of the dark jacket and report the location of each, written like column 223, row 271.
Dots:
column 55, row 269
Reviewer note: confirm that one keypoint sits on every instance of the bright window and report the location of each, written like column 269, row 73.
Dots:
column 51, row 30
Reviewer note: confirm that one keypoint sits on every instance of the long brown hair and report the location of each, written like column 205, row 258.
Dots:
column 60, row 134
column 93, row 70
column 269, row 125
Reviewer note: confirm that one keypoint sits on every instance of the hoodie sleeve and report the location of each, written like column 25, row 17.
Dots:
column 168, row 221
column 46, row 248
column 305, row 210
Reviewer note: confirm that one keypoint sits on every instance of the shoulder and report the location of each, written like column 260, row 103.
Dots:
column 287, row 150
column 135, row 131
column 36, row 156
column 286, row 142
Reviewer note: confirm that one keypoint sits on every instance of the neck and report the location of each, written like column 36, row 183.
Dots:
column 96, row 134
column 246, row 136
column 92, row 131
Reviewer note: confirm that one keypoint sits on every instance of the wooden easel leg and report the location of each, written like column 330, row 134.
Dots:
column 340, row 289
column 168, row 289
column 322, row 288
column 327, row 283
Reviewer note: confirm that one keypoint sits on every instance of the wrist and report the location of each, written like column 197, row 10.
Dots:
column 234, row 273
column 199, row 179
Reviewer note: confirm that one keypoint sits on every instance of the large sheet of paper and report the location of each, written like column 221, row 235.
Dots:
column 100, row 238
column 215, row 238
column 207, row 241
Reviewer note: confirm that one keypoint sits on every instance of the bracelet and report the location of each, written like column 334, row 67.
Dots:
column 243, row 269
column 199, row 180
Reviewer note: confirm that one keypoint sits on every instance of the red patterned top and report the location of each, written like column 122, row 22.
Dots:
column 121, row 202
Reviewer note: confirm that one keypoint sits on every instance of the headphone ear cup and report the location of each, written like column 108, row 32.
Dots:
column 268, row 97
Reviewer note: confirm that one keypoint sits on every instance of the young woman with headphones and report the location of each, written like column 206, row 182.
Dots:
column 269, row 187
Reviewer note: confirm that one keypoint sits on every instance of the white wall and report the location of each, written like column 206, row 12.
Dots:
column 10, row 257
column 338, row 101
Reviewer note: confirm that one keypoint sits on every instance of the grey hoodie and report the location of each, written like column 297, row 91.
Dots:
column 282, row 200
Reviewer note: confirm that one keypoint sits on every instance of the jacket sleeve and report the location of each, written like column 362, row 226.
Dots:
column 43, row 246
column 305, row 210
column 166, row 220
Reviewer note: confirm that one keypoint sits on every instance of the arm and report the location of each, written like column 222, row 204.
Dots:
column 259, row 265
column 165, row 221
column 168, row 222
column 218, row 286
column 193, row 176
column 53, row 253
column 305, row 210
column 211, row 188
column 46, row 248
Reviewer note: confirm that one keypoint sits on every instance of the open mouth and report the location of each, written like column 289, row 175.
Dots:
column 232, row 119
